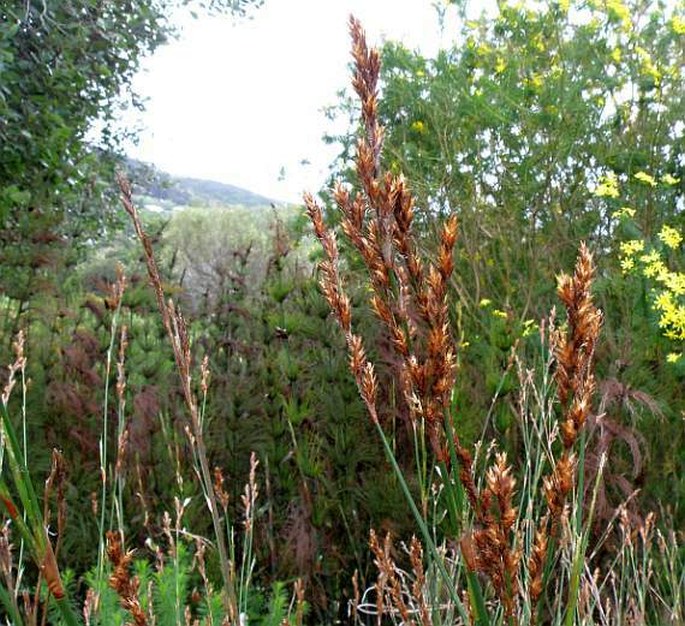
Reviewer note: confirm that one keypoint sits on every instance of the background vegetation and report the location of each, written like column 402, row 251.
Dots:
column 540, row 128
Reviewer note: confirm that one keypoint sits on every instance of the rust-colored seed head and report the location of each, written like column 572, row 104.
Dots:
column 121, row 581
column 536, row 564
column 468, row 551
column 221, row 494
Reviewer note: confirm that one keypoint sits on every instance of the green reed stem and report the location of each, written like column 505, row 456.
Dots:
column 103, row 448
column 438, row 559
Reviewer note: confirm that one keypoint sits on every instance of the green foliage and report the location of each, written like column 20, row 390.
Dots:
column 535, row 128
column 65, row 67
column 280, row 387
column 25, row 513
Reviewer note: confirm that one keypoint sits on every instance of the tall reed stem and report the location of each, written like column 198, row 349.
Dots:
column 176, row 329
column 117, row 292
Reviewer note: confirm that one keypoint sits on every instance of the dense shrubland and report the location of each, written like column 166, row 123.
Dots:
column 223, row 425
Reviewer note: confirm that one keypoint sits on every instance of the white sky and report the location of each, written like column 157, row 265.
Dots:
column 236, row 101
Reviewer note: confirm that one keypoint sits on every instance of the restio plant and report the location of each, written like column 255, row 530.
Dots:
column 507, row 567
column 516, row 126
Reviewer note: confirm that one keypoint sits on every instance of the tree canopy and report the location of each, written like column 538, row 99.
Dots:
column 64, row 67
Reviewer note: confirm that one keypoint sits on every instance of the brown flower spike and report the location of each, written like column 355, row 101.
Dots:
column 408, row 295
column 121, row 581
column 574, row 352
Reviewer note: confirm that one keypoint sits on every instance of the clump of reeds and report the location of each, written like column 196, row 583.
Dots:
column 236, row 562
column 409, row 297
column 175, row 325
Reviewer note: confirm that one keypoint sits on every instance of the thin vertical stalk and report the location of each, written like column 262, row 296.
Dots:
column 425, row 532
column 177, row 332
column 30, row 523
column 103, row 446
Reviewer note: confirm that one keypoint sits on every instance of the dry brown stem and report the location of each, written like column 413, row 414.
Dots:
column 491, row 549
column 417, row 589
column 175, row 326
column 56, row 479
column 388, row 580
column 18, row 365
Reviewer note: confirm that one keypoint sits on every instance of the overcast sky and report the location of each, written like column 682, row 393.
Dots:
column 238, row 101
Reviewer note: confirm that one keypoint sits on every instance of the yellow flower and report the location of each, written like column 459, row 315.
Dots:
column 529, row 327
column 535, row 81
column 646, row 178
column 678, row 25
column 632, row 246
column 499, row 313
column 647, row 65
column 667, row 178
column 664, row 302
column 500, row 66
column 616, row 55
column 624, row 211
column 627, row 264
column 418, row 126
column 675, row 283
column 608, row 186
column 673, row 357
column 619, row 11
column 485, row 302
column 651, row 257
column 654, row 268
column 670, row 236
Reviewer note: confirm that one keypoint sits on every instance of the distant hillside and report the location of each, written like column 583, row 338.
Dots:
column 157, row 187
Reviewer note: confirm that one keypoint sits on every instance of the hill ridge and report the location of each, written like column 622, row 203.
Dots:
column 155, row 184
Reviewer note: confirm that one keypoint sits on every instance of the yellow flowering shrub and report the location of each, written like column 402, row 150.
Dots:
column 660, row 261
column 668, row 290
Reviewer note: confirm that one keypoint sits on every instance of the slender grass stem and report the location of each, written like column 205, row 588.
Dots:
column 103, row 447
column 438, row 559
